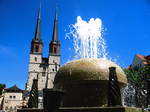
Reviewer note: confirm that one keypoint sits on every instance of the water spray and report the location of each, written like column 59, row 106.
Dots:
column 88, row 39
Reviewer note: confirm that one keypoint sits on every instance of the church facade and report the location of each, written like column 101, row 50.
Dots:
column 41, row 68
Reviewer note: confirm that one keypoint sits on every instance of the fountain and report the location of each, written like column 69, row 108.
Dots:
column 88, row 39
column 128, row 96
column 86, row 82
column 91, row 83
column 86, row 85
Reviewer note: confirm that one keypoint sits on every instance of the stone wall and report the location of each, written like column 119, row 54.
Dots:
column 12, row 101
column 37, row 70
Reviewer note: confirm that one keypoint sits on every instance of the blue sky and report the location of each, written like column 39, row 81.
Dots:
column 126, row 23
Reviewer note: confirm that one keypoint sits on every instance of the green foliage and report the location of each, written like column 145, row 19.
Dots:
column 134, row 77
column 137, row 77
column 146, row 72
column 2, row 86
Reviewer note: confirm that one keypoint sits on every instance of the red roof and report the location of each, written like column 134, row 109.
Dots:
column 145, row 59
column 141, row 57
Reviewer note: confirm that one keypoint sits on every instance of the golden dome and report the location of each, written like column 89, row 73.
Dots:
column 88, row 69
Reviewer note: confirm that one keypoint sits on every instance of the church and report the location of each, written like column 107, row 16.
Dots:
column 41, row 68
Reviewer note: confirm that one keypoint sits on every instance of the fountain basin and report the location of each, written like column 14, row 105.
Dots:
column 85, row 82
column 101, row 109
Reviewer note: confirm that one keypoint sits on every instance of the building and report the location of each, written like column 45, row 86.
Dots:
column 41, row 68
column 140, row 61
column 12, row 99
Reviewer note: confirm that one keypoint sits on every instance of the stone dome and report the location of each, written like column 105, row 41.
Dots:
column 88, row 69
column 85, row 82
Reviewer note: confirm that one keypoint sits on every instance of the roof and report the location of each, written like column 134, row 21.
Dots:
column 148, row 57
column 13, row 89
column 145, row 59
column 141, row 57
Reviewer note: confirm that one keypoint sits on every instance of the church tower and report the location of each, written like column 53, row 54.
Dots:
column 54, row 53
column 54, row 46
column 41, row 68
column 35, row 54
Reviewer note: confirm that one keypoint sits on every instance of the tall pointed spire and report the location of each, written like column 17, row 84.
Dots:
column 55, row 29
column 55, row 44
column 37, row 44
column 38, row 32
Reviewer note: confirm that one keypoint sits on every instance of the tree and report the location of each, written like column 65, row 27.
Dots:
column 137, row 78
column 2, row 86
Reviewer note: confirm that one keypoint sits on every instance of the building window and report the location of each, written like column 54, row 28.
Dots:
column 43, row 74
column 36, row 48
column 44, row 68
column 10, row 108
column 14, row 97
column 10, row 96
column 55, row 50
column 53, row 70
column 35, row 58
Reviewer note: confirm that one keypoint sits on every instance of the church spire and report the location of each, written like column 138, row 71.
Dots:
column 37, row 44
column 55, row 29
column 55, row 44
column 38, row 32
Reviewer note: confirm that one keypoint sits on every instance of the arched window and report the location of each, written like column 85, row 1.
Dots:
column 44, row 69
column 35, row 58
column 36, row 48
column 55, row 50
